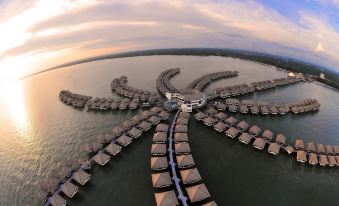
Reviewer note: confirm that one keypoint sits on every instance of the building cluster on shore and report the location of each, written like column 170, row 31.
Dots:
column 76, row 100
column 266, row 108
column 64, row 182
column 236, row 90
column 120, row 86
column 175, row 178
column 325, row 156
column 201, row 82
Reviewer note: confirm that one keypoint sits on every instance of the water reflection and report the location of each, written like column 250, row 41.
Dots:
column 13, row 98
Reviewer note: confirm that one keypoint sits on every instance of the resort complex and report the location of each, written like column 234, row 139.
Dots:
column 175, row 176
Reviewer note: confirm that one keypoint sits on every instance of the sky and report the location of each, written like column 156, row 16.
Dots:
column 38, row 34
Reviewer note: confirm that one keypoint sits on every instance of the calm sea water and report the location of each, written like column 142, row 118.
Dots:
column 38, row 131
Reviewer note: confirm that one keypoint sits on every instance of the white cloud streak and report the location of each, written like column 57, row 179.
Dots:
column 88, row 28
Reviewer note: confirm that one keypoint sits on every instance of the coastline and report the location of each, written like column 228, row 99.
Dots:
column 287, row 64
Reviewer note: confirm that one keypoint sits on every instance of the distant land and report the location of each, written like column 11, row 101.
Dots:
column 286, row 63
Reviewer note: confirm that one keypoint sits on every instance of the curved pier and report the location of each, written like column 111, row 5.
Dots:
column 245, row 133
column 120, row 86
column 101, row 151
column 201, row 82
column 236, row 90
column 196, row 191
column 97, row 103
column 182, row 198
column 266, row 108
column 163, row 84
column 76, row 100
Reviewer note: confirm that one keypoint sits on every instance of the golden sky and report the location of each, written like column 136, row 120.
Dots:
column 37, row 34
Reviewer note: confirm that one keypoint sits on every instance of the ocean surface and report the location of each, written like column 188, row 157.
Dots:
column 38, row 132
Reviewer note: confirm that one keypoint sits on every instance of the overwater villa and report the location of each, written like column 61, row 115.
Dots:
column 190, row 176
column 161, row 180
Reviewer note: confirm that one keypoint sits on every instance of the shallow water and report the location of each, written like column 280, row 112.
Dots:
column 38, row 132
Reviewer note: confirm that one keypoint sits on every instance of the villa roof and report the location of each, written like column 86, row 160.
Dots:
column 166, row 198
column 209, row 120
column 281, row 139
column 81, row 177
column 211, row 111
column 301, row 156
column 220, row 126
column 299, row 144
column 160, row 137
column 274, row 148
column 158, row 163
column 180, row 128
column 101, row 158
column 134, row 132
column 329, row 149
column 255, row 130
column 231, row 121
column 310, row 147
column 161, row 179
column 154, row 119
column 124, row 140
column 182, row 148
column 323, row 161
column 332, row 161
column 197, row 193
column 221, row 115
column 190, row 175
column 312, row 159
column 184, row 115
column 321, row 149
column 243, row 125
column 113, row 148
column 180, row 137
column 232, row 132
column 162, row 128
column 57, row 200
column 268, row 135
column 182, row 120
column 259, row 143
column 69, row 189
column 158, row 149
column 200, row 115
column 185, row 161
column 245, row 138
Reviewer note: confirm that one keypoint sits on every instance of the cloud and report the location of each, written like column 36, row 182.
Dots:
column 71, row 30
column 320, row 47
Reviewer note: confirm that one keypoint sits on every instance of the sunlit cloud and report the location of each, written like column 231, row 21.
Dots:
column 44, row 34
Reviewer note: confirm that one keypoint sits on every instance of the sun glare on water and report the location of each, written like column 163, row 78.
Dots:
column 12, row 98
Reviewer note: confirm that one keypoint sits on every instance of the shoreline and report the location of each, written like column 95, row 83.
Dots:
column 289, row 65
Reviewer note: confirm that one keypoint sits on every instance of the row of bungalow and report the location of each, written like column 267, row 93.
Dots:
column 182, row 174
column 245, row 133
column 76, row 100
column 110, row 104
column 267, row 84
column 163, row 81
column 120, row 86
column 263, row 107
column 105, row 146
column 236, row 90
column 64, row 182
column 317, row 154
column 201, row 82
